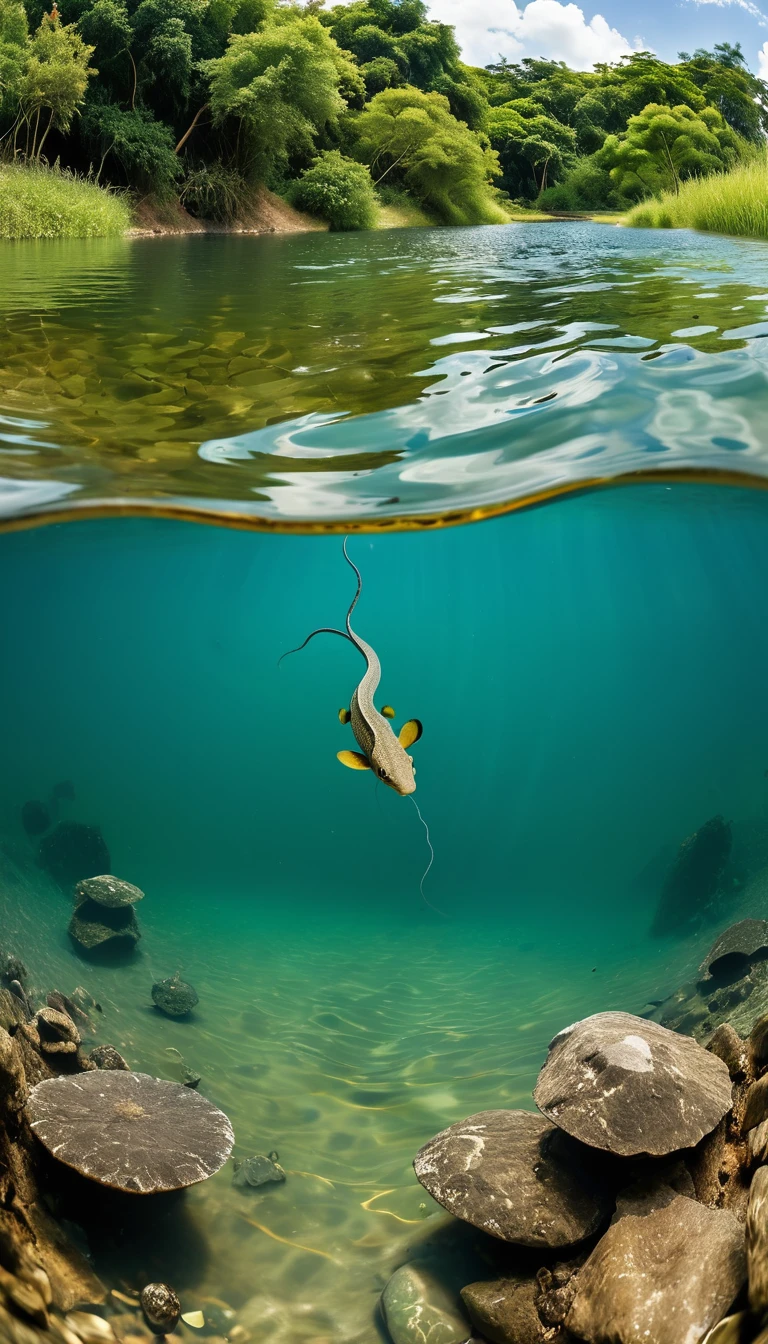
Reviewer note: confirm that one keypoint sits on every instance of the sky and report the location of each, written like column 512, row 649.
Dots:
column 581, row 36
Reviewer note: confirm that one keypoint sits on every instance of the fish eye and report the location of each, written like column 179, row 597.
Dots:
column 382, row 773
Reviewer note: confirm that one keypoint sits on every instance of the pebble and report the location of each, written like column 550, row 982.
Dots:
column 417, row 1308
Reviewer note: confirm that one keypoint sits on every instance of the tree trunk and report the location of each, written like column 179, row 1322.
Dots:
column 45, row 136
column 188, row 132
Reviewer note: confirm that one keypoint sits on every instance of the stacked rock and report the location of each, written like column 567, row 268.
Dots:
column 625, row 1207
column 104, row 912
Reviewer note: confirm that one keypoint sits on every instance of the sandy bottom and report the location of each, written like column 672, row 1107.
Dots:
column 343, row 1045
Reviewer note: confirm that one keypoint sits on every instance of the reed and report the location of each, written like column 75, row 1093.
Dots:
column 41, row 202
column 735, row 202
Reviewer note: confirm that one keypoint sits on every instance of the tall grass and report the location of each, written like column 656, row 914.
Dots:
column 41, row 202
column 734, row 202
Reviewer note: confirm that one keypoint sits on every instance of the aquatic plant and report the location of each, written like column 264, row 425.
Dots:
column 735, row 202
column 40, row 202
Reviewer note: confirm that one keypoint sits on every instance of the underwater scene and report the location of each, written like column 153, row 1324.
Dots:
column 272, row 1027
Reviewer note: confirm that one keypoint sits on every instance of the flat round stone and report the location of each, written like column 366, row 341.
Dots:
column 630, row 1086
column 513, row 1174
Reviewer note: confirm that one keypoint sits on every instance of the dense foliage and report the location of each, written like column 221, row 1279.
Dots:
column 202, row 100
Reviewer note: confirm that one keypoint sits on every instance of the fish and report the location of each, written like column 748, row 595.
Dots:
column 380, row 750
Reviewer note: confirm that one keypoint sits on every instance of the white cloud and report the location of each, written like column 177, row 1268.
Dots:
column 543, row 28
column 752, row 9
column 762, row 62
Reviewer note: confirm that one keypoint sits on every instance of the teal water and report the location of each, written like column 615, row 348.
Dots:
column 331, row 378
column 591, row 678
column 590, row 675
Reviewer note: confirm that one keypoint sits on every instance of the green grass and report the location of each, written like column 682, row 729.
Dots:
column 734, row 202
column 39, row 202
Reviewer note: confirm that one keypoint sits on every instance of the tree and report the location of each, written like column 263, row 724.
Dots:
column 143, row 147
column 14, row 56
column 533, row 149
column 55, row 79
column 282, row 86
column 662, row 146
column 338, row 190
column 413, row 136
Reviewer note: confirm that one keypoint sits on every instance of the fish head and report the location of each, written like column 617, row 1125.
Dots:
column 391, row 764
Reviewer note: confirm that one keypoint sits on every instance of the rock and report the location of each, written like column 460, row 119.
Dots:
column 757, row 1240
column 418, row 1310
column 57, row 1032
column 756, row 1104
column 90, row 1328
column 91, row 926
column 190, row 1078
column 14, row 969
column 515, row 1175
column 72, row 851
column 107, row 1057
column 666, row 1276
column 732, row 954
column 757, row 1143
column 35, row 817
column 727, row 1044
column 174, row 996
column 758, row 1043
column 161, row 1308
column 256, row 1171
column 738, row 1329
column 130, row 1131
column 108, row 891
column 695, row 877
column 63, row 1004
column 630, row 1086
column 509, row 1310
column 718, row 1166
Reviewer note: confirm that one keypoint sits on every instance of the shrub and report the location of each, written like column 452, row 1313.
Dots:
column 142, row 146
column 213, row 191
column 39, row 202
column 586, row 187
column 339, row 190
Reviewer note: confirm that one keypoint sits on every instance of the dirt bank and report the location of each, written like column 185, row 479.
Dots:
column 266, row 213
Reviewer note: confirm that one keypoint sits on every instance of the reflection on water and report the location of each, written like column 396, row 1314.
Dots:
column 591, row 680
column 394, row 374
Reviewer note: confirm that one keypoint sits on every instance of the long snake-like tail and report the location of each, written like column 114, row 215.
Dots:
column 429, row 865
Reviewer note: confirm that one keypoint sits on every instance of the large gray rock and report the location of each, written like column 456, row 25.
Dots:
column 419, row 1310
column 619, row 1082
column 732, row 954
column 517, row 1176
column 757, row 1240
column 665, row 1276
column 108, row 891
column 174, row 996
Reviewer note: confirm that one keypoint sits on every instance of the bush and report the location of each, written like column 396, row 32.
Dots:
column 143, row 147
column 586, row 187
column 338, row 190
column 734, row 202
column 212, row 191
column 38, row 202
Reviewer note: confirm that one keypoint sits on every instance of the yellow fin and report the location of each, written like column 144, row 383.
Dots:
column 410, row 733
column 388, row 711
column 353, row 759
column 344, row 716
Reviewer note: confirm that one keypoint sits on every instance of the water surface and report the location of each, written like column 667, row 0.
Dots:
column 409, row 374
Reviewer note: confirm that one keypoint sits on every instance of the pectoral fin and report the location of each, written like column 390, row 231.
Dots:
column 388, row 711
column 354, row 760
column 410, row 733
column 344, row 716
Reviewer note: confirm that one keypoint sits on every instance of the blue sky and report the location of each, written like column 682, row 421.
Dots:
column 602, row 29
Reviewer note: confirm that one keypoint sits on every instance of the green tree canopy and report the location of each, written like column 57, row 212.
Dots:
column 282, row 86
column 664, row 145
column 533, row 149
column 55, row 79
column 411, row 137
column 14, row 55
